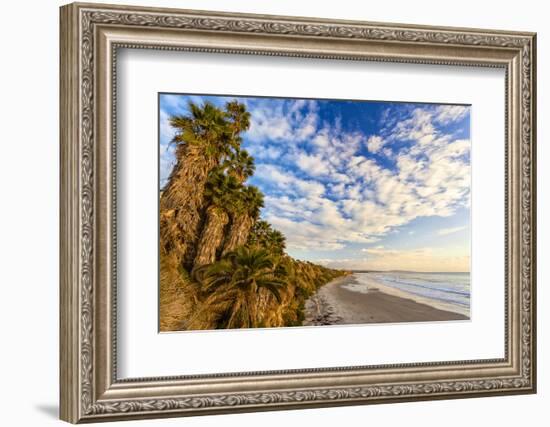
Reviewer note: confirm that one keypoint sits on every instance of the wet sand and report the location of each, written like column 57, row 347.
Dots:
column 335, row 305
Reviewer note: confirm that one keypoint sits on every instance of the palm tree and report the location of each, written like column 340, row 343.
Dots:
column 246, row 212
column 220, row 192
column 240, row 118
column 263, row 235
column 240, row 164
column 234, row 286
column 259, row 232
column 204, row 137
column 276, row 242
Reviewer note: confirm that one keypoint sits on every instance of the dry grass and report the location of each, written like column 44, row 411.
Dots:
column 182, row 203
column 182, row 308
column 178, row 295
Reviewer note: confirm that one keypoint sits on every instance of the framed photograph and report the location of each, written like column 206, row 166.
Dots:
column 266, row 212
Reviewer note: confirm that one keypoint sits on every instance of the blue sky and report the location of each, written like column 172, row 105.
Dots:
column 356, row 184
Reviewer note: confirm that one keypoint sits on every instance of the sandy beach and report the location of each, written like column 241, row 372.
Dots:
column 333, row 304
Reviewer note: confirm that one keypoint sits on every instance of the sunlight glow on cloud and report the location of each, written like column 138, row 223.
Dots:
column 418, row 259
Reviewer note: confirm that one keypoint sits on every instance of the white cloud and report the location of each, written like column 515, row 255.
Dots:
column 388, row 152
column 321, row 140
column 312, row 164
column 450, row 113
column 265, row 153
column 167, row 132
column 375, row 143
column 177, row 102
column 289, row 121
column 166, row 150
column 417, row 127
column 272, row 173
column 167, row 162
column 286, row 180
column 302, row 235
column 336, row 146
column 309, row 188
column 431, row 176
column 447, row 231
column 374, row 249
column 308, row 126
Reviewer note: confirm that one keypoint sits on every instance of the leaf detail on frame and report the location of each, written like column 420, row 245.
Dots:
column 304, row 396
column 302, row 29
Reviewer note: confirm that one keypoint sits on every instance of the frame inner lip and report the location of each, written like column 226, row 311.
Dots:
column 341, row 370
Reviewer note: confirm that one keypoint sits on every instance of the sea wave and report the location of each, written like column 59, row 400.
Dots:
column 448, row 291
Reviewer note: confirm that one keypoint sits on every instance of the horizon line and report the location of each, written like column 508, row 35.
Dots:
column 366, row 270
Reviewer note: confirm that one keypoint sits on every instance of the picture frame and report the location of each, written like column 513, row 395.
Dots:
column 91, row 36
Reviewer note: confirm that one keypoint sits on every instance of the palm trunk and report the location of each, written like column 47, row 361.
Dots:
column 182, row 203
column 212, row 236
column 238, row 233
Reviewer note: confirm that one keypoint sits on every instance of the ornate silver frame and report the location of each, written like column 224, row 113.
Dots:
column 90, row 36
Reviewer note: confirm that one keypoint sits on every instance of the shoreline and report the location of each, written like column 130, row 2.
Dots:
column 377, row 285
column 333, row 304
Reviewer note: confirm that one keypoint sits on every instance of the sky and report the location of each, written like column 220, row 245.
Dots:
column 356, row 184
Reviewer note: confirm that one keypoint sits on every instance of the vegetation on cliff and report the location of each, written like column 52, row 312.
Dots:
column 222, row 266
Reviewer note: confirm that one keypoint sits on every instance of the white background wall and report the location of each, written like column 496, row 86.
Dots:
column 29, row 170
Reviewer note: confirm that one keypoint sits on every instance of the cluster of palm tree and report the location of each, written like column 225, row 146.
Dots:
column 229, row 201
column 235, row 287
column 252, row 287
column 265, row 236
column 205, row 191
column 248, row 287
column 228, row 267
column 202, row 138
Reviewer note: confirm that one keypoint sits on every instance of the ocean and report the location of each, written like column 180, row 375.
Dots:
column 448, row 291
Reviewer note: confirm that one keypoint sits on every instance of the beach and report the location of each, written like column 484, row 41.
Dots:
column 337, row 304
